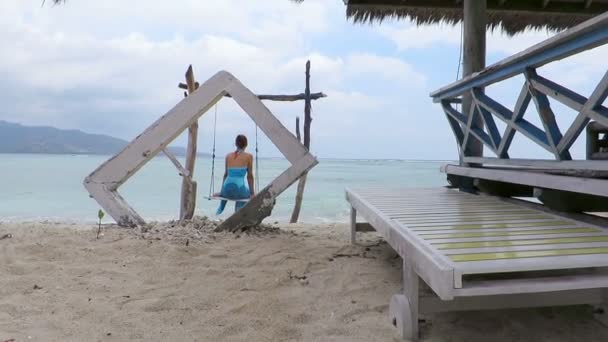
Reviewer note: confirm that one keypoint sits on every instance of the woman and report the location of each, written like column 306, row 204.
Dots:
column 238, row 164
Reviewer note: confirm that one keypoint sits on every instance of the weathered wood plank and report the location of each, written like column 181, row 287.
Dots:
column 121, row 167
column 574, row 184
column 547, row 117
column 290, row 98
column 499, row 298
column 188, row 193
column 182, row 171
column 262, row 204
column 592, row 165
column 587, row 112
column 284, row 140
column 534, row 57
column 301, row 184
column 278, row 98
column 307, row 121
column 533, row 264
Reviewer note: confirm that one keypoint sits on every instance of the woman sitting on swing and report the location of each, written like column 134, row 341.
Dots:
column 238, row 164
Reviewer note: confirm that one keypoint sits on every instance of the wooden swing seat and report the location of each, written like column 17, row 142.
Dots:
column 220, row 198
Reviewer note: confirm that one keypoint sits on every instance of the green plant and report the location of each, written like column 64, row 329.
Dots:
column 100, row 215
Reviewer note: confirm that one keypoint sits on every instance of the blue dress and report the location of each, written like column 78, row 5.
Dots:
column 234, row 188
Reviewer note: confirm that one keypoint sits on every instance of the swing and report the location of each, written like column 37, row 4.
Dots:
column 211, row 195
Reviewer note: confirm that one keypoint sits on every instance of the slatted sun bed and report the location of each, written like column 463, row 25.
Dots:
column 479, row 252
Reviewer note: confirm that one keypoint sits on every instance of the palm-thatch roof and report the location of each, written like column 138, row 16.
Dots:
column 512, row 16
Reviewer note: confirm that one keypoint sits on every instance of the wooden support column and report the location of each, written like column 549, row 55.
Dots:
column 188, row 194
column 474, row 60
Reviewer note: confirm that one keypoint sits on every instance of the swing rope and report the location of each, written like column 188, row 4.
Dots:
column 257, row 168
column 212, row 185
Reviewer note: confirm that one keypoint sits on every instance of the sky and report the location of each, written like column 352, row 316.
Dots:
column 112, row 67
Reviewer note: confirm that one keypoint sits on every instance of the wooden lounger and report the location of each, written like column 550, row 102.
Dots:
column 479, row 252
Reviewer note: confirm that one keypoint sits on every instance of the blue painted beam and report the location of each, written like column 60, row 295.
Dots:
column 490, row 124
column 585, row 36
column 503, row 113
column 520, row 109
column 454, row 113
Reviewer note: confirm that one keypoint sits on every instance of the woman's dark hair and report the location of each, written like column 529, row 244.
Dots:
column 241, row 141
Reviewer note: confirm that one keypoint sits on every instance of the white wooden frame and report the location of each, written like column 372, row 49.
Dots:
column 450, row 292
column 591, row 186
column 104, row 182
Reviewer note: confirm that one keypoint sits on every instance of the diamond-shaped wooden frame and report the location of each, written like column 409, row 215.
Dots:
column 103, row 183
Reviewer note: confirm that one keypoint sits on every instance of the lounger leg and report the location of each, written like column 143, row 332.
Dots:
column 601, row 314
column 353, row 225
column 404, row 307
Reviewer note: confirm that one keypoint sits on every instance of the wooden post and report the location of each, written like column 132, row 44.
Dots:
column 307, row 108
column 299, row 194
column 298, row 136
column 188, row 194
column 474, row 59
column 307, row 120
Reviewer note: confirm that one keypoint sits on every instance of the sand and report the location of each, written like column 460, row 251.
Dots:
column 299, row 283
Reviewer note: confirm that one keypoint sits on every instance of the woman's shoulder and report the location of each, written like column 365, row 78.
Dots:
column 244, row 154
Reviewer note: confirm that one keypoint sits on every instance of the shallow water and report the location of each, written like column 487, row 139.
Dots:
column 49, row 187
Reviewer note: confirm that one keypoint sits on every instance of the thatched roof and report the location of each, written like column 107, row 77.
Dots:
column 512, row 16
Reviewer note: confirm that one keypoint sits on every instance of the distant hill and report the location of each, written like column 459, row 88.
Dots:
column 16, row 138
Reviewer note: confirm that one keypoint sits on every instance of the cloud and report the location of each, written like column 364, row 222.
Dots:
column 86, row 73
column 386, row 68
column 409, row 36
column 113, row 66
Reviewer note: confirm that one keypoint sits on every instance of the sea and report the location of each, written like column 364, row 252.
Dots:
column 48, row 188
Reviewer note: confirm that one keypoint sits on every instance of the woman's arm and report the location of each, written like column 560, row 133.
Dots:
column 225, row 170
column 250, row 176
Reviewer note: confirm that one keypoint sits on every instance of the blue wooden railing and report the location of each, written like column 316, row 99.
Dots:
column 537, row 90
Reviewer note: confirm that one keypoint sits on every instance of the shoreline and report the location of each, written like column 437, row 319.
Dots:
column 289, row 282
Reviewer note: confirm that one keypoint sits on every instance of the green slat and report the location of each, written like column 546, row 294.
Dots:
column 503, row 233
column 507, row 243
column 528, row 254
column 473, row 219
column 409, row 212
column 491, row 225
column 468, row 216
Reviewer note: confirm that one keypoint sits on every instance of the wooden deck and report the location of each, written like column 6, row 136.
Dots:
column 480, row 252
column 450, row 235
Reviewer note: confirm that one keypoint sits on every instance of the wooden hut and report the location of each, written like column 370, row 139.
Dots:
column 448, row 238
column 510, row 16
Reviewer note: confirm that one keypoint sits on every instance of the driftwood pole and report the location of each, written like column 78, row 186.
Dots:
column 307, row 108
column 188, row 194
column 298, row 136
column 307, row 120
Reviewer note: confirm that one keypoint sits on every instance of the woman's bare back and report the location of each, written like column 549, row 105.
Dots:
column 242, row 159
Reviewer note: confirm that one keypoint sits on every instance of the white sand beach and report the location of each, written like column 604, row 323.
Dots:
column 300, row 283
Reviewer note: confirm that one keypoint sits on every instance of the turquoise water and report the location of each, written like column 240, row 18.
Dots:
column 49, row 187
